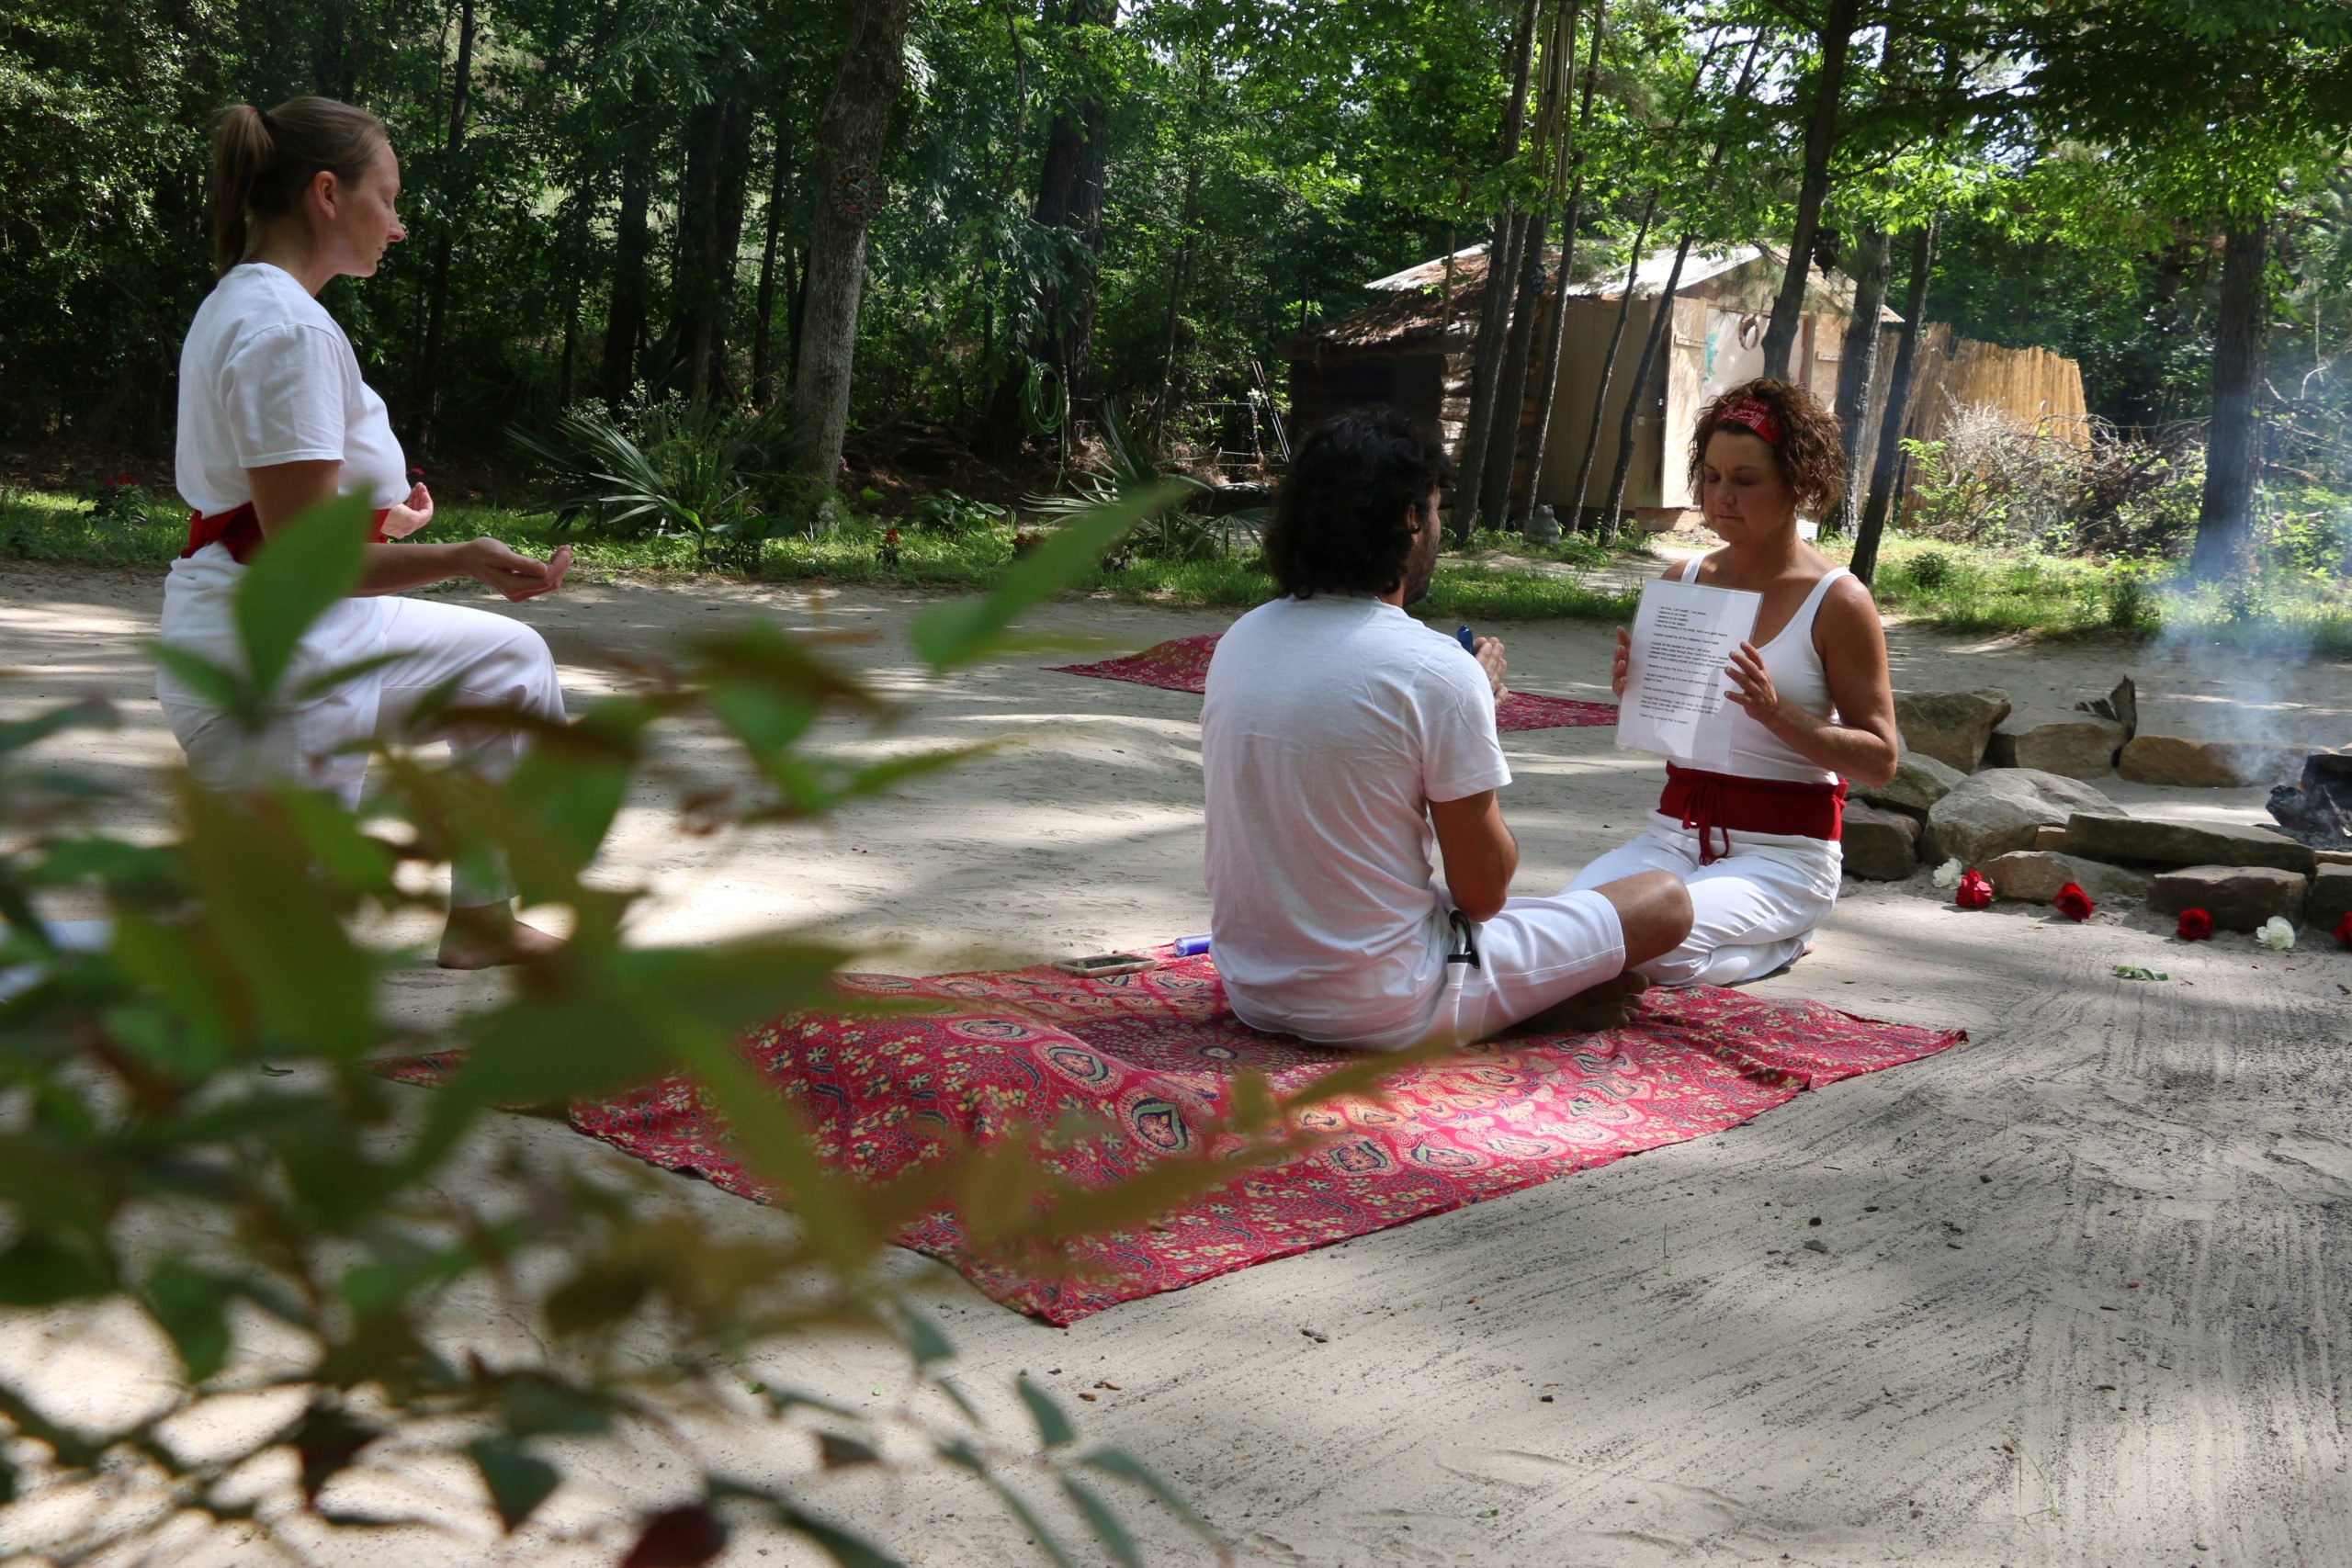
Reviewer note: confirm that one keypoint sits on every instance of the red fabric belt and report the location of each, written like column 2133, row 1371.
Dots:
column 240, row 531
column 1725, row 803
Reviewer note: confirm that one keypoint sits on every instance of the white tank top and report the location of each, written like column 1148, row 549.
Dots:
column 1795, row 664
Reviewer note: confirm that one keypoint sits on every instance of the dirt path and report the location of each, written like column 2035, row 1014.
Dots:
column 2086, row 1280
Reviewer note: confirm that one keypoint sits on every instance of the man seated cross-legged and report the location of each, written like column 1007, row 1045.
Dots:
column 1341, row 740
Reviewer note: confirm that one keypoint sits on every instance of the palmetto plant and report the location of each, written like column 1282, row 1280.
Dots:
column 693, row 471
column 1182, row 532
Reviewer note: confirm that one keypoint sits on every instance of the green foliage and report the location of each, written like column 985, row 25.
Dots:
column 198, row 1134
column 944, row 511
column 687, row 471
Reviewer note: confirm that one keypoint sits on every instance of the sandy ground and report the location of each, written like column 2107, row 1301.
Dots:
column 2086, row 1279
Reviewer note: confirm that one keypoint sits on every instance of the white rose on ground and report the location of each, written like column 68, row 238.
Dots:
column 1948, row 874
column 2277, row 933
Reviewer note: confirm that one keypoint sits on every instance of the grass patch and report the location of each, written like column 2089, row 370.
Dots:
column 52, row 527
column 1957, row 588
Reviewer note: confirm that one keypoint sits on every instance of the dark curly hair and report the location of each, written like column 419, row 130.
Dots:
column 1808, row 453
column 1339, row 524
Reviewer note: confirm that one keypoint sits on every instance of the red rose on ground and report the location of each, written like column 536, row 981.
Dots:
column 2073, row 903
column 2195, row 925
column 2343, row 931
column 1974, row 892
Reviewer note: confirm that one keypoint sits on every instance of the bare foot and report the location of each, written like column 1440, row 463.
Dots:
column 490, row 936
column 1608, row 1004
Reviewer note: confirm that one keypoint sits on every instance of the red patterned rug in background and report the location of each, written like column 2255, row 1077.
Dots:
column 1155, row 1053
column 1182, row 664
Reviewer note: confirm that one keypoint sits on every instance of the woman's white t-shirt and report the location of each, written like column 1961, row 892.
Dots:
column 267, row 376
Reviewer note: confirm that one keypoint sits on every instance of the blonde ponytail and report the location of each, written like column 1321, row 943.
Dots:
column 262, row 162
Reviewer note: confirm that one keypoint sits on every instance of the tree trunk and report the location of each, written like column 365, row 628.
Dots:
column 735, row 166
column 1511, row 399
column 847, row 185
column 1069, row 200
column 763, row 334
column 1858, row 367
column 1568, row 221
column 1609, row 358
column 2233, row 438
column 1864, row 563
column 454, row 190
column 625, row 316
column 1487, row 346
column 796, row 269
column 1660, row 325
column 1165, row 404
column 1836, row 38
column 710, row 233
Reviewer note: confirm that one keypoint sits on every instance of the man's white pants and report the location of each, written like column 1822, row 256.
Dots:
column 1534, row 953
column 493, row 662
column 1751, row 911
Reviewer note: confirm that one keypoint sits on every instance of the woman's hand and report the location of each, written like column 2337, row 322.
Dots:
column 410, row 515
column 1752, row 685
column 1618, row 665
column 1488, row 651
column 517, row 576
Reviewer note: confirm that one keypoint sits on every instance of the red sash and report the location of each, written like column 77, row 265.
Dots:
column 238, row 532
column 1725, row 803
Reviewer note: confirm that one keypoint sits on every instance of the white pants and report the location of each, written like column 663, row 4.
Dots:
column 1535, row 951
column 470, row 657
column 1751, row 912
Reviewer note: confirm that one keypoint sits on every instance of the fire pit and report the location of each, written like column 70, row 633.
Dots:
column 2318, row 809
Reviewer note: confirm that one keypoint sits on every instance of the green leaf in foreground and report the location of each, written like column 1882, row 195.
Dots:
column 971, row 629
column 518, row 1481
column 1053, row 1427
column 308, row 565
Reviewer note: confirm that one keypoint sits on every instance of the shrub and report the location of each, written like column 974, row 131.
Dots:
column 944, row 511
column 716, row 476
column 117, row 501
column 194, row 1135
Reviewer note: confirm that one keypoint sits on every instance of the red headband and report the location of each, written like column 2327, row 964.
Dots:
column 1753, row 413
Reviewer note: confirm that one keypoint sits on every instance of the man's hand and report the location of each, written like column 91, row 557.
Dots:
column 410, row 515
column 1488, row 651
column 1618, row 667
column 517, row 576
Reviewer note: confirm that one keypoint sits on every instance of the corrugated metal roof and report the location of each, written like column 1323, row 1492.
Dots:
column 1472, row 261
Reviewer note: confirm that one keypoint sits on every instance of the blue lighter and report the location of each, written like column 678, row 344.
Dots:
column 1469, row 644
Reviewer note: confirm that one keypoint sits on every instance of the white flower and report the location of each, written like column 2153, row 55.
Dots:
column 2277, row 933
column 1948, row 874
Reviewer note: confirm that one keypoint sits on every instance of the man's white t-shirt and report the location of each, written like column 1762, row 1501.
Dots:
column 267, row 376
column 1328, row 726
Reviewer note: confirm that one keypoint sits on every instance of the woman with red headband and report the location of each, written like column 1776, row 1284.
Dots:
column 1757, row 843
column 273, row 420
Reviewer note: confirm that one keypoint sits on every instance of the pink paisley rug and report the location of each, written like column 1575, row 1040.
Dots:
column 1154, row 1054
column 1182, row 664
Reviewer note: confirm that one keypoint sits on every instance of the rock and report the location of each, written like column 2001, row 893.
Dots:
column 1951, row 727
column 1881, row 846
column 2239, row 898
column 2001, row 747
column 2331, row 897
column 2333, row 857
column 1918, row 782
column 2078, row 748
column 2207, row 765
column 2111, row 836
column 1991, row 813
column 2034, row 876
column 2048, row 838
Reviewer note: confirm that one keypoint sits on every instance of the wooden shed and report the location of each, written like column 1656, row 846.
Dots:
column 1413, row 350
